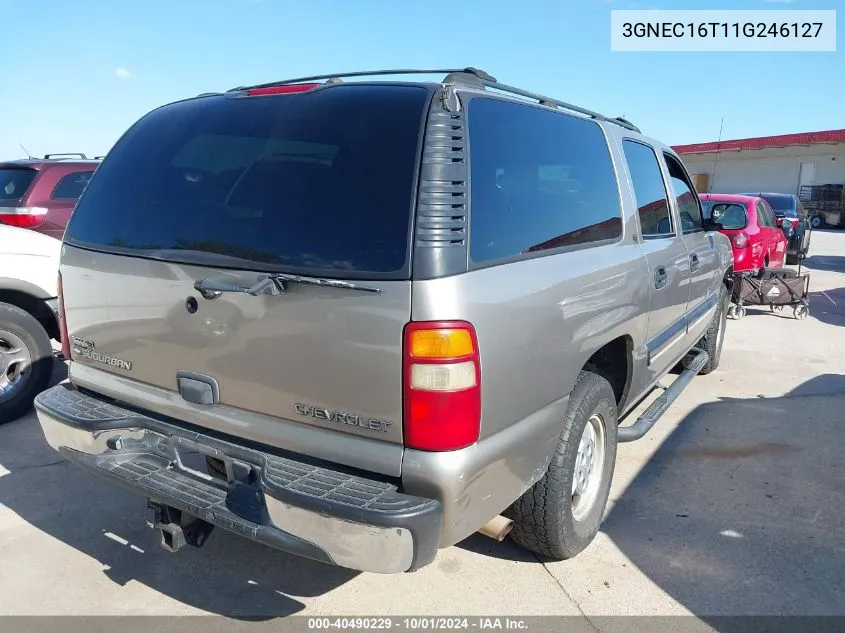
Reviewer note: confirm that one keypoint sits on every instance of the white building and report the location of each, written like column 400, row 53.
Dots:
column 778, row 164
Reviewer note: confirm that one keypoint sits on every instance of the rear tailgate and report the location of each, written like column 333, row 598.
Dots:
column 324, row 356
column 224, row 189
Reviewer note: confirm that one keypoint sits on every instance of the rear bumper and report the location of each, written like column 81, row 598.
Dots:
column 746, row 260
column 303, row 508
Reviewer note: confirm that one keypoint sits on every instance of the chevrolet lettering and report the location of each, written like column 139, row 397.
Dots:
column 342, row 417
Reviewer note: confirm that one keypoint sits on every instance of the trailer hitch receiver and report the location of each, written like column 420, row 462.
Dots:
column 177, row 528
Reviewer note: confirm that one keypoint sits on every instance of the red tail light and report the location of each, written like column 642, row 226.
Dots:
column 442, row 385
column 281, row 90
column 740, row 240
column 63, row 324
column 23, row 217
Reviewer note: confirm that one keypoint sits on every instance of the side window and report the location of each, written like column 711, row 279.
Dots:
column 539, row 180
column 649, row 190
column 71, row 186
column 765, row 215
column 773, row 218
column 762, row 220
column 689, row 206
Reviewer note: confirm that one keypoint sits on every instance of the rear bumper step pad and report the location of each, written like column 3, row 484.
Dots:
column 306, row 509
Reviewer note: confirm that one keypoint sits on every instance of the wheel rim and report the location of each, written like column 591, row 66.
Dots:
column 589, row 467
column 15, row 364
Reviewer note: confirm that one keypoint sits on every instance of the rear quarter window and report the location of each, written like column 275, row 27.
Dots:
column 71, row 186
column 649, row 190
column 319, row 183
column 540, row 180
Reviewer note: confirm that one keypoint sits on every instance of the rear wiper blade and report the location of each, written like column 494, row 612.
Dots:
column 272, row 284
column 321, row 281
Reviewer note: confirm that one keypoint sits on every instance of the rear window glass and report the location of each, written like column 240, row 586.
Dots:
column 781, row 203
column 729, row 215
column 320, row 182
column 541, row 180
column 14, row 183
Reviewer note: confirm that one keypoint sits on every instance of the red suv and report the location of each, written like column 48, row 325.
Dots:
column 40, row 193
column 750, row 224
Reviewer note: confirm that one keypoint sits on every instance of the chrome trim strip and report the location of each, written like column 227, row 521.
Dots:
column 698, row 321
column 667, row 346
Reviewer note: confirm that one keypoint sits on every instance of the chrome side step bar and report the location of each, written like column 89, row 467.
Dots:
column 661, row 405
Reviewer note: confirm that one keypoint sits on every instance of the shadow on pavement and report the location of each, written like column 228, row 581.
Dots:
column 741, row 512
column 828, row 306
column 59, row 372
column 229, row 575
column 832, row 263
column 742, row 509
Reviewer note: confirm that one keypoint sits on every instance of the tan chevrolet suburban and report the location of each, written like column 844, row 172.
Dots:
column 360, row 318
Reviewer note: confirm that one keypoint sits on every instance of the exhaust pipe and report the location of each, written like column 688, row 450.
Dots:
column 497, row 528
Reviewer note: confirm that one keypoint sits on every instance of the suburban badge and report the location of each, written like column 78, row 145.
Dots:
column 84, row 347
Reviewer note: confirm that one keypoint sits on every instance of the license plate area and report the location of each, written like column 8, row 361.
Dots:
column 188, row 456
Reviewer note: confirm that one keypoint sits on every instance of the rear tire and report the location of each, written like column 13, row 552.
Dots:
column 26, row 361
column 560, row 515
column 714, row 338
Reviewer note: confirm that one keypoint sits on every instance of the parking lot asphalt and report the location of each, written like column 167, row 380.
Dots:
column 734, row 504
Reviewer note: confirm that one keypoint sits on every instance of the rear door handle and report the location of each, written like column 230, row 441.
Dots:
column 660, row 276
column 693, row 262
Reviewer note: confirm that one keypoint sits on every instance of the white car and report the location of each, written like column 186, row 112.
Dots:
column 29, row 266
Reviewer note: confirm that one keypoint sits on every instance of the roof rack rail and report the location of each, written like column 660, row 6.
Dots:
column 99, row 157
column 625, row 121
column 54, row 156
column 556, row 103
column 336, row 77
column 469, row 76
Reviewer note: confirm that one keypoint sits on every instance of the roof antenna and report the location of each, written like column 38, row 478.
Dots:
column 715, row 160
column 26, row 151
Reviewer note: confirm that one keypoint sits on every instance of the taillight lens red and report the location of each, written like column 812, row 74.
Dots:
column 65, row 340
column 281, row 90
column 740, row 240
column 23, row 217
column 442, row 376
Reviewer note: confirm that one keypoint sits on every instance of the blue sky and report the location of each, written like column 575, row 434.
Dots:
column 77, row 74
